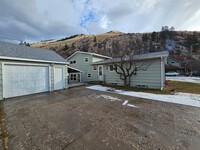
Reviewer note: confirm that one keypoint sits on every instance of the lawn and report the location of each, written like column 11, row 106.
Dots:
column 172, row 86
column 184, row 87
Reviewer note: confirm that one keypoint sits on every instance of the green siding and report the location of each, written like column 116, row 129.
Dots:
column 162, row 73
column 85, row 67
column 1, row 81
column 151, row 77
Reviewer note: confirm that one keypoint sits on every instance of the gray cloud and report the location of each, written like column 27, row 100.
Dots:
column 35, row 20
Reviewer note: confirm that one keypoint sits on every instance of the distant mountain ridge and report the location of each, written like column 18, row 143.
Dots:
column 178, row 43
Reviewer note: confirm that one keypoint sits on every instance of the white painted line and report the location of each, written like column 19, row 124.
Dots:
column 130, row 105
column 125, row 102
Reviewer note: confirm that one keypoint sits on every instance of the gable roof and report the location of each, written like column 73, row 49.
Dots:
column 87, row 53
column 74, row 69
column 9, row 51
column 136, row 57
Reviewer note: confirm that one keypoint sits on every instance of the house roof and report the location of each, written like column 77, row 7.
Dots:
column 74, row 69
column 136, row 57
column 10, row 51
column 87, row 53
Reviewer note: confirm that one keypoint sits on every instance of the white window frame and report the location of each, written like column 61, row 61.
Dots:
column 87, row 59
column 89, row 74
column 94, row 66
column 74, row 76
column 73, row 61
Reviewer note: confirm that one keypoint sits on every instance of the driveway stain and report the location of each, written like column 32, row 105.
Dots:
column 3, row 128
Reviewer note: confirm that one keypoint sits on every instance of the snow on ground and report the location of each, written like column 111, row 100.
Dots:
column 178, row 98
column 112, row 99
column 185, row 79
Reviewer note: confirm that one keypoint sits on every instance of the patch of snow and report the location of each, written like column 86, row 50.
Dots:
column 192, row 96
column 112, row 99
column 125, row 102
column 99, row 88
column 178, row 98
column 185, row 79
column 131, row 105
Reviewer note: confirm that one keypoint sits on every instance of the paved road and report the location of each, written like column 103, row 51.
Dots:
column 81, row 119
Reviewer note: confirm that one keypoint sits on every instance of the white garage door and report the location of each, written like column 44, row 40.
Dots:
column 58, row 78
column 23, row 80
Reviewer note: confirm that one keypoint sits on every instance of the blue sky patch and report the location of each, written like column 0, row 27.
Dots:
column 89, row 17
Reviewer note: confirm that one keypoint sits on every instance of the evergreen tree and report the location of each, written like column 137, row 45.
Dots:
column 153, row 36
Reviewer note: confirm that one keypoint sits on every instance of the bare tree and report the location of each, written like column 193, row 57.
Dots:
column 127, row 64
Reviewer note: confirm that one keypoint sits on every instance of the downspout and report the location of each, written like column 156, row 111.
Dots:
column 161, row 83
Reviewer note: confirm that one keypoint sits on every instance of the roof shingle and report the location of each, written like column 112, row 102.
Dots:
column 136, row 57
column 13, row 51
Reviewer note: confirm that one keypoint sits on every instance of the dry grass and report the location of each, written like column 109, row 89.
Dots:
column 172, row 86
column 78, row 40
column 184, row 87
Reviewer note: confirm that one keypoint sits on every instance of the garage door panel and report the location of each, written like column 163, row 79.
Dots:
column 22, row 80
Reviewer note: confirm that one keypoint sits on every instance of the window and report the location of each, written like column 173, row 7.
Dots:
column 95, row 67
column 89, row 75
column 73, row 77
column 86, row 59
column 111, row 67
column 73, row 62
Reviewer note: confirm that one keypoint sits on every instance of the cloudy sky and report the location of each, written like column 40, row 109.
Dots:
column 35, row 20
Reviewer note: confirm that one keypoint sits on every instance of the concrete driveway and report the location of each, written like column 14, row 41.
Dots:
column 81, row 119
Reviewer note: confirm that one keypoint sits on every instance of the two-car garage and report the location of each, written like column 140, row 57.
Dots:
column 30, row 73
column 24, row 79
column 21, row 80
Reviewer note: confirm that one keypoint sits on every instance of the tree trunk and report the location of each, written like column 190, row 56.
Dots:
column 127, row 81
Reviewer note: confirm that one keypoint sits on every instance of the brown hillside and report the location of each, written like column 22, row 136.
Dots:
column 178, row 43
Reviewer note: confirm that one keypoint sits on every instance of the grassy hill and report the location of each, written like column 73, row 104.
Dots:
column 178, row 43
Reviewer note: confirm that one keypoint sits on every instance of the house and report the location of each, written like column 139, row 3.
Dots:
column 26, row 70
column 175, row 65
column 101, row 69
column 83, row 61
column 153, row 76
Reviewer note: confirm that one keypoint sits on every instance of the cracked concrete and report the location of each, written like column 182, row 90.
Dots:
column 80, row 118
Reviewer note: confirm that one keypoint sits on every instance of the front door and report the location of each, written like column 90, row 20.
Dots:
column 58, row 78
column 100, row 73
